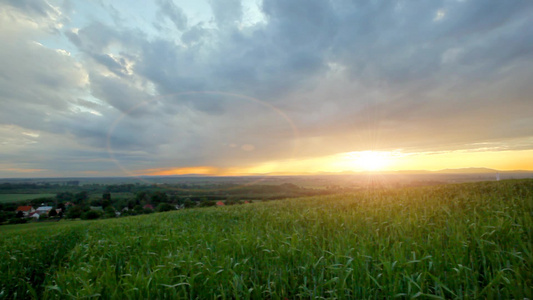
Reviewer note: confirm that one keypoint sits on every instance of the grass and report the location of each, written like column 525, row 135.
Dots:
column 463, row 241
column 10, row 198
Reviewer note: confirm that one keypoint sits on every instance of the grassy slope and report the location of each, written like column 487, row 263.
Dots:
column 456, row 241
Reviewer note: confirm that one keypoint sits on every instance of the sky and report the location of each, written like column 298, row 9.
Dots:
column 237, row 87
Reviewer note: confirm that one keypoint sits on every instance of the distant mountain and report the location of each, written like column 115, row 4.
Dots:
column 466, row 171
column 173, row 176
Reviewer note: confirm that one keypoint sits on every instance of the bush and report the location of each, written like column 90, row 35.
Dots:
column 52, row 213
column 207, row 203
column 74, row 212
column 91, row 215
column 231, row 202
column 137, row 210
column 164, row 207
column 110, row 212
column 189, row 203
column 17, row 221
column 4, row 216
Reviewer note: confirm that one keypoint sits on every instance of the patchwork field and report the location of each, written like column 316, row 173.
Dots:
column 444, row 242
column 9, row 198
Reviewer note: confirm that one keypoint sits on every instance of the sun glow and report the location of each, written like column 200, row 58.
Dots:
column 369, row 160
column 366, row 161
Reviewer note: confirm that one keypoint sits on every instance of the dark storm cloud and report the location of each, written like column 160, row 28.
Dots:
column 251, row 61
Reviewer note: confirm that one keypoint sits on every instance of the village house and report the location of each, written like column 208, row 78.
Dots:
column 43, row 210
column 26, row 210
column 40, row 211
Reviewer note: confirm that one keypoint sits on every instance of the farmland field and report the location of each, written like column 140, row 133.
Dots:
column 9, row 198
column 453, row 241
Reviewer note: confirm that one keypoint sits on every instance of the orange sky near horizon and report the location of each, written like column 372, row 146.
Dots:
column 371, row 161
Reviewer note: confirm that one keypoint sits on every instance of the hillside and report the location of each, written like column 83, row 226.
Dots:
column 451, row 241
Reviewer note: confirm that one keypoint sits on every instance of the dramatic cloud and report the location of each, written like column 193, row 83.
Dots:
column 168, row 9
column 233, row 84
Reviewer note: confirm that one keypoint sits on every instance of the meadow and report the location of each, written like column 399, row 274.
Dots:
column 463, row 241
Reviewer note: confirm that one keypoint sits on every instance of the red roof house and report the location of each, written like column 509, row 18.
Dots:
column 220, row 203
column 26, row 210
column 149, row 206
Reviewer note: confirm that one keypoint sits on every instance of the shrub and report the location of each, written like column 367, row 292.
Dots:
column 91, row 215
column 110, row 212
column 17, row 221
column 52, row 213
column 164, row 207
column 207, row 203
column 74, row 212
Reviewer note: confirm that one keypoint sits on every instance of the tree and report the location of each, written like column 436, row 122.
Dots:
column 74, row 212
column 131, row 203
column 95, row 202
column 81, row 196
column 207, row 203
column 142, row 197
column 138, row 210
column 159, row 197
column 189, row 203
column 20, row 214
column 90, row 215
column 164, row 207
column 41, row 200
column 106, row 199
column 65, row 197
column 52, row 213
column 17, row 221
column 3, row 217
column 110, row 212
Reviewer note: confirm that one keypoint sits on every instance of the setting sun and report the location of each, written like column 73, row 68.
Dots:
column 370, row 160
column 366, row 160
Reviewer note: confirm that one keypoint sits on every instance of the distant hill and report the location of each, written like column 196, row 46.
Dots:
column 467, row 171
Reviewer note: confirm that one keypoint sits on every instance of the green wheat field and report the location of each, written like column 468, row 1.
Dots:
column 464, row 241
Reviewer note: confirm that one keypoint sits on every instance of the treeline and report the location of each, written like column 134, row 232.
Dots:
column 17, row 186
column 97, row 201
